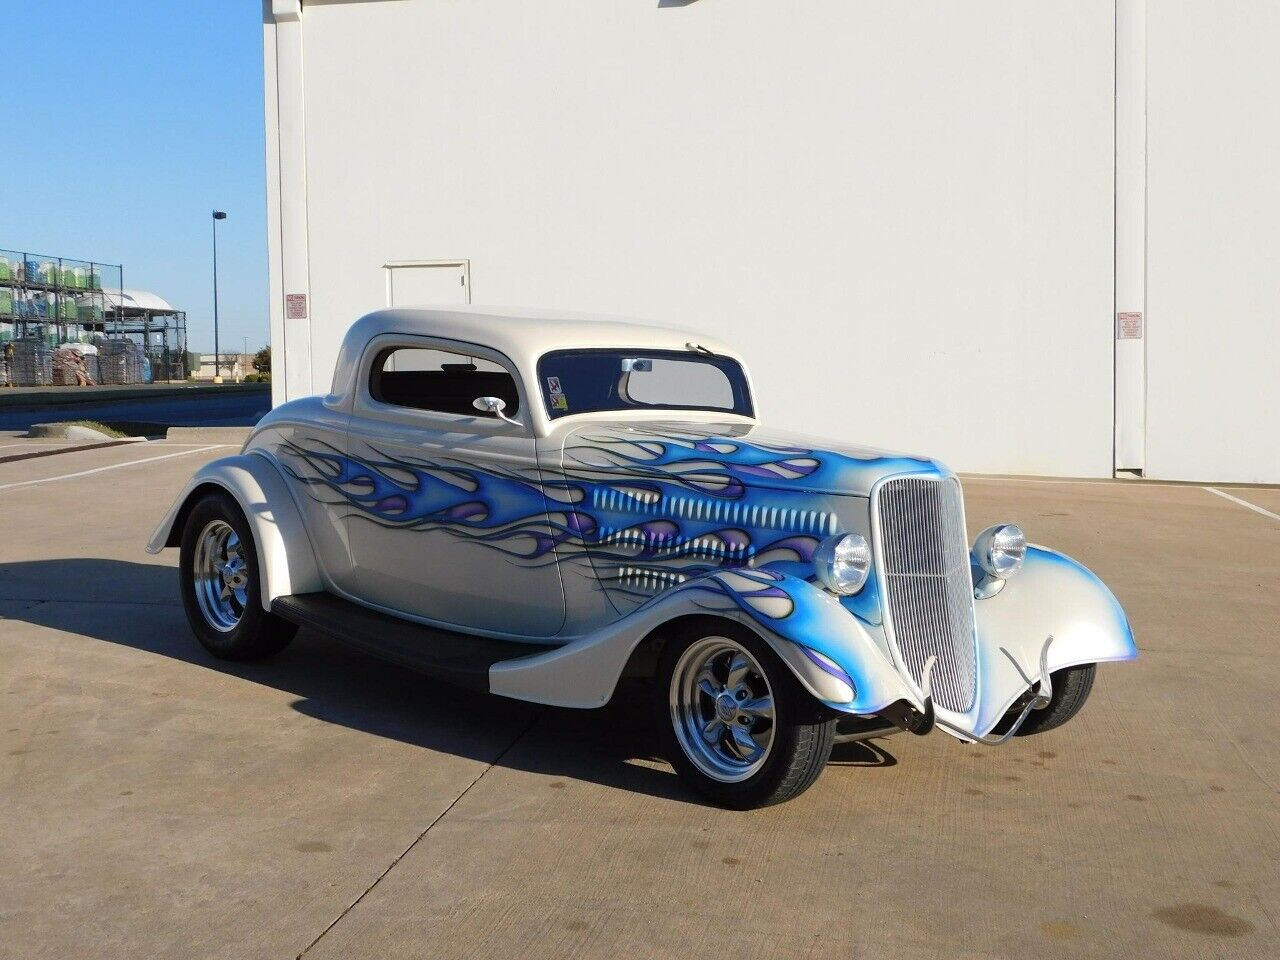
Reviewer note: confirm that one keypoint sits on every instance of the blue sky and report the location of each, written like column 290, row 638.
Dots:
column 127, row 124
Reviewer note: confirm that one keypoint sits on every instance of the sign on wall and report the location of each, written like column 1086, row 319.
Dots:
column 1129, row 325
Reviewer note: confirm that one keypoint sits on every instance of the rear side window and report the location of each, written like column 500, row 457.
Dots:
column 442, row 381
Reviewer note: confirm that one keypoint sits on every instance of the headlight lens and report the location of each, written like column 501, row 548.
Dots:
column 1000, row 550
column 842, row 563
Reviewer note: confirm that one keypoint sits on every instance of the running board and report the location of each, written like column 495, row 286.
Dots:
column 458, row 658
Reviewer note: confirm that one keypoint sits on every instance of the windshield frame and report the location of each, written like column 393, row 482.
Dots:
column 735, row 372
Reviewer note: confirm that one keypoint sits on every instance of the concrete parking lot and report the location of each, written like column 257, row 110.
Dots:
column 155, row 802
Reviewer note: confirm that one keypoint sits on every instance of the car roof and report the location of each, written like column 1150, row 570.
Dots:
column 523, row 333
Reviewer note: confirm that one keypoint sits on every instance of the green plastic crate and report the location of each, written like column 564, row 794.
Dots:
column 6, row 302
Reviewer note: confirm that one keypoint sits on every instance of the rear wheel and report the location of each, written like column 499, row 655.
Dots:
column 221, row 589
column 736, row 724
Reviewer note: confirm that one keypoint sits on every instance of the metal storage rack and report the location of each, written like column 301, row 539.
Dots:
column 46, row 302
column 159, row 329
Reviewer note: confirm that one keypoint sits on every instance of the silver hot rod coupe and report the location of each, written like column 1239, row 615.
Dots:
column 538, row 506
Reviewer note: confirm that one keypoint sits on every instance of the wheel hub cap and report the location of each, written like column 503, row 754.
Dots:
column 726, row 708
column 234, row 574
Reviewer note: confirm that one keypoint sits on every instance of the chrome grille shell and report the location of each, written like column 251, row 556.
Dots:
column 922, row 559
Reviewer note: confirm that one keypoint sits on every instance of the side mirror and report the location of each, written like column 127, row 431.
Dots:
column 495, row 406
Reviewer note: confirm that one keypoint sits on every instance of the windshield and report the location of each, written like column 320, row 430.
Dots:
column 587, row 381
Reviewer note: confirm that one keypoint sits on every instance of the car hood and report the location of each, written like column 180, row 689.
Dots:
column 723, row 459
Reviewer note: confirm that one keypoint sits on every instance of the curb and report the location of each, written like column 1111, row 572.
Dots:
column 70, row 430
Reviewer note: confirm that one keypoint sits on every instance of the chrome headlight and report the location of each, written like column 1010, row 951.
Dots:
column 842, row 563
column 1000, row 550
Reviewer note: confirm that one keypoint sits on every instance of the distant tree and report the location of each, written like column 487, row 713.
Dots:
column 262, row 360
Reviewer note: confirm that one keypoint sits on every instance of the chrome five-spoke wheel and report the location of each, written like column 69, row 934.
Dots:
column 221, row 583
column 722, row 709
column 221, row 575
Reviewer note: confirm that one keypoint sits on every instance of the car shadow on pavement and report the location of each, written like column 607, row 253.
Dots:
column 137, row 605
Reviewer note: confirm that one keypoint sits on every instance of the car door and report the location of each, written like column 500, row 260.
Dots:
column 448, row 522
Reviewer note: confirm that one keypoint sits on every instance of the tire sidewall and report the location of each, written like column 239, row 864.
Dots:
column 219, row 505
column 1072, row 687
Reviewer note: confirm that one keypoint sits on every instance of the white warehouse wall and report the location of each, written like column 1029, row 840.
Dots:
column 1213, row 248
column 902, row 213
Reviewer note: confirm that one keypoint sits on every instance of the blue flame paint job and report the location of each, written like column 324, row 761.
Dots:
column 730, row 467
column 651, row 511
column 672, row 507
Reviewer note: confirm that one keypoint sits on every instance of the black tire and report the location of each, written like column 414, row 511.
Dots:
column 257, row 633
column 1071, row 688
column 803, row 730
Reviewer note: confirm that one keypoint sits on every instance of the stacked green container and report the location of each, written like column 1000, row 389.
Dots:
column 6, row 301
column 6, row 272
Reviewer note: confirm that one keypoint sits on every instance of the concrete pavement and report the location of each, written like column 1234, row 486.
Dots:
column 155, row 802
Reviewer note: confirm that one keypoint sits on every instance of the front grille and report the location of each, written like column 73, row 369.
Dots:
column 928, row 587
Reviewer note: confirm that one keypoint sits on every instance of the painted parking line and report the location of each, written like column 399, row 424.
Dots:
column 1068, row 481
column 1116, row 483
column 1245, row 503
column 113, row 466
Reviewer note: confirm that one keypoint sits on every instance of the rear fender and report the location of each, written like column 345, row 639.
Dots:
column 828, row 650
column 286, row 559
column 1052, row 595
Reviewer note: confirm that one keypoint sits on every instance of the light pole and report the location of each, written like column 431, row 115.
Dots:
column 217, row 368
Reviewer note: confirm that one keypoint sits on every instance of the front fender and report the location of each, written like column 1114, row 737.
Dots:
column 1052, row 595
column 286, row 561
column 827, row 649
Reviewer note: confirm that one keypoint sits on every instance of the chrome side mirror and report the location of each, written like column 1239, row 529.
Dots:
column 495, row 406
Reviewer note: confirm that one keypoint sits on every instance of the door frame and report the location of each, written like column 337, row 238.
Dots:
column 391, row 266
column 478, row 442
column 1129, row 344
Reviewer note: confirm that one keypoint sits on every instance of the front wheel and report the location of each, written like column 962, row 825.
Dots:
column 735, row 723
column 221, row 589
column 1071, row 688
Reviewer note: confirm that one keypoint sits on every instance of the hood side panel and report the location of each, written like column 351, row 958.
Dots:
column 654, row 506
